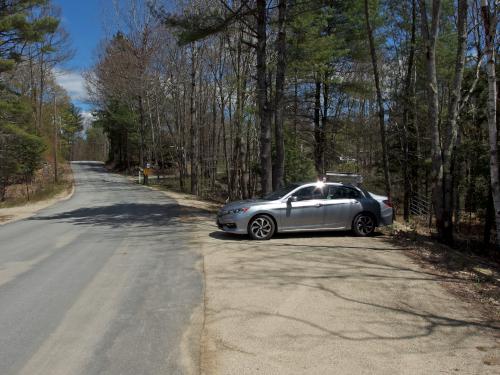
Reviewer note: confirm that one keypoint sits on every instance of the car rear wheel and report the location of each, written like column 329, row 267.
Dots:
column 261, row 228
column 363, row 225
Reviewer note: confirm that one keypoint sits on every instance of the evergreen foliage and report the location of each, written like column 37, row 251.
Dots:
column 29, row 125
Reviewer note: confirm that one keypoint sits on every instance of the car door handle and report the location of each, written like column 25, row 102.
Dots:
column 319, row 205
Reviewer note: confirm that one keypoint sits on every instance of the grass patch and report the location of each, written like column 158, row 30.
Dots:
column 41, row 189
column 171, row 183
column 44, row 193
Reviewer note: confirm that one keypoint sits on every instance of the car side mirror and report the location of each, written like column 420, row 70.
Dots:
column 293, row 199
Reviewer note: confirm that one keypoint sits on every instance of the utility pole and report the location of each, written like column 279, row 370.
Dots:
column 56, row 177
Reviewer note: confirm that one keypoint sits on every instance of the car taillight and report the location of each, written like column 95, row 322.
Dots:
column 388, row 203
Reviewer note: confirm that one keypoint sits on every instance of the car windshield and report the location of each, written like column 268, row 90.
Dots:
column 280, row 193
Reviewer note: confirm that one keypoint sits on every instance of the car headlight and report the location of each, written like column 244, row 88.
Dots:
column 236, row 211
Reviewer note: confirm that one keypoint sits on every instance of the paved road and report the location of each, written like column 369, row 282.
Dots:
column 104, row 283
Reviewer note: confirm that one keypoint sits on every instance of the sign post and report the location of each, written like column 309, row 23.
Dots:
column 147, row 172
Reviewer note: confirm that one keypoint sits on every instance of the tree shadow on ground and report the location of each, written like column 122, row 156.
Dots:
column 124, row 214
column 422, row 323
column 452, row 259
column 227, row 236
column 327, row 268
column 285, row 263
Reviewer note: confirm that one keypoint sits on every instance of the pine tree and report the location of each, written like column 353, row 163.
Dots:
column 18, row 28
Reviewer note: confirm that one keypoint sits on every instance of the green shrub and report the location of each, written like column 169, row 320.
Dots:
column 20, row 155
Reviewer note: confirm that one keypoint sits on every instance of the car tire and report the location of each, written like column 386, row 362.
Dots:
column 364, row 225
column 261, row 228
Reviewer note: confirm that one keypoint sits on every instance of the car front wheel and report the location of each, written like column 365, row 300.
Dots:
column 363, row 225
column 261, row 227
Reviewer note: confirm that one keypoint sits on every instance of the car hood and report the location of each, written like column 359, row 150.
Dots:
column 244, row 203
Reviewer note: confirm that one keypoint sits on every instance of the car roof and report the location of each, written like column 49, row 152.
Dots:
column 300, row 184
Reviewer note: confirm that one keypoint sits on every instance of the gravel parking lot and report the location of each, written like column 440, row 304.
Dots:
column 331, row 303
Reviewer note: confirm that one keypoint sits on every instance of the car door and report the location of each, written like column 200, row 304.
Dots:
column 341, row 205
column 307, row 211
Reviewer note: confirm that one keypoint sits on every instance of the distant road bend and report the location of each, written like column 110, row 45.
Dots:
column 104, row 283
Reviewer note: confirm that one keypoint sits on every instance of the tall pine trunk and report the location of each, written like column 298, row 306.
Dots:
column 429, row 36
column 450, row 142
column 262, row 99
column 192, row 127
column 406, row 113
column 142, row 125
column 324, row 121
column 380, row 103
column 319, row 144
column 279, row 165
column 41, row 92
column 489, row 21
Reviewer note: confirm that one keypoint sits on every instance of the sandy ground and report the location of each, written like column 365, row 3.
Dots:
column 188, row 200
column 333, row 304
column 11, row 214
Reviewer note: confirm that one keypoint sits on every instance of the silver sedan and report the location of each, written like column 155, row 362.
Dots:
column 307, row 207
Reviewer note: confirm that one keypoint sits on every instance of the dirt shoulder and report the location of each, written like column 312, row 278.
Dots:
column 192, row 201
column 318, row 303
column 23, row 211
column 478, row 278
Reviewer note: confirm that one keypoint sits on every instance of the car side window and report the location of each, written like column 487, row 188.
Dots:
column 310, row 192
column 342, row 192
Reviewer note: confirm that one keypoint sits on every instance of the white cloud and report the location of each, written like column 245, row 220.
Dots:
column 88, row 118
column 73, row 83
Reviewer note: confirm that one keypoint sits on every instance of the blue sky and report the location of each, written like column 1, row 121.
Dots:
column 84, row 21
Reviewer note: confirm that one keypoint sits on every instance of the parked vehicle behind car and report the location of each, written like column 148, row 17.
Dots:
column 317, row 206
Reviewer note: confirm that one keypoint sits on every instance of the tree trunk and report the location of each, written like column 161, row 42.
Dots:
column 319, row 147
column 34, row 91
column 295, row 108
column 324, row 121
column 214, row 136
column 224, row 141
column 245, row 175
column 238, row 119
column 200, row 120
column 142, row 123
column 429, row 36
column 489, row 22
column 26, row 182
column 488, row 223
column 446, row 227
column 55, row 142
column 192, row 128
column 41, row 90
column 279, row 165
column 262, row 99
column 406, row 114
column 380, row 103
column 242, row 157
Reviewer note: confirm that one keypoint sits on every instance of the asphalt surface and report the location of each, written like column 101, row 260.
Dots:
column 109, row 282
column 104, row 283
